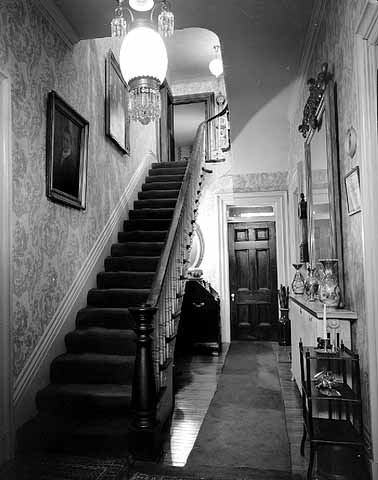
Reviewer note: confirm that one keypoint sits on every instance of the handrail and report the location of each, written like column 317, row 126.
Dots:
column 163, row 262
column 219, row 114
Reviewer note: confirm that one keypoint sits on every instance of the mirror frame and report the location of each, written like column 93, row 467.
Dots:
column 320, row 109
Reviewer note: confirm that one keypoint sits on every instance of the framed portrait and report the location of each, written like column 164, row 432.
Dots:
column 66, row 153
column 116, row 105
column 352, row 187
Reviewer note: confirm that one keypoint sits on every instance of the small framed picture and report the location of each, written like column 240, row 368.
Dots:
column 66, row 153
column 116, row 105
column 352, row 187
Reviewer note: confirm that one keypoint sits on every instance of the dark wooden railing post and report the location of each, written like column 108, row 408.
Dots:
column 144, row 398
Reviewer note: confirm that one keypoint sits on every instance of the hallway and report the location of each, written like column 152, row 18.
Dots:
column 197, row 377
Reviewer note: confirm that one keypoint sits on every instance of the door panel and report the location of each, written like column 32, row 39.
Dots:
column 253, row 280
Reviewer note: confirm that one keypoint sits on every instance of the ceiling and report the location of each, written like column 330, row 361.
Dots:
column 261, row 42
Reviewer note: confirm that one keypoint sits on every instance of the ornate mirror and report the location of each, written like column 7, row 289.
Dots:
column 322, row 172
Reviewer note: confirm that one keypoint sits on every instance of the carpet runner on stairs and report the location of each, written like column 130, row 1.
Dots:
column 90, row 391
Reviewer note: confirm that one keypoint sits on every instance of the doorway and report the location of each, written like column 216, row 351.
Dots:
column 253, row 280
column 188, row 112
column 6, row 402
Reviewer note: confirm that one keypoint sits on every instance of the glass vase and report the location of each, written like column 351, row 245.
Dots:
column 329, row 290
column 311, row 284
column 298, row 284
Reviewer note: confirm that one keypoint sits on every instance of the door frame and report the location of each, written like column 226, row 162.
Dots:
column 209, row 99
column 365, row 60
column 278, row 201
column 6, row 356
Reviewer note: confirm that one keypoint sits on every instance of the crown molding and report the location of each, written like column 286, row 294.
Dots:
column 58, row 21
column 312, row 35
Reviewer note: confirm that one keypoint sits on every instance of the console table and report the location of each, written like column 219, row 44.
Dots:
column 307, row 325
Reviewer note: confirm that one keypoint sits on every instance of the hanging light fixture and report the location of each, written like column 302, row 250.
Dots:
column 216, row 65
column 143, row 56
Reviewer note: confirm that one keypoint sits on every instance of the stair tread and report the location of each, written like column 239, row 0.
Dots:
column 111, row 291
column 88, row 357
column 107, row 332
column 99, row 389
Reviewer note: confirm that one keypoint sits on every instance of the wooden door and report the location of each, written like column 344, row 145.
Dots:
column 253, row 280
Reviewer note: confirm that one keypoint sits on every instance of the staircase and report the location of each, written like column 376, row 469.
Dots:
column 86, row 407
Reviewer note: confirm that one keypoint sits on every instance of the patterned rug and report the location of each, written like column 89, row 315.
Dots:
column 65, row 468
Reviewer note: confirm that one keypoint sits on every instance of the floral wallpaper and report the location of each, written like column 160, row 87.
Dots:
column 50, row 241
column 335, row 45
column 260, row 182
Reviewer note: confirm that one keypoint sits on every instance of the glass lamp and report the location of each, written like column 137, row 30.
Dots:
column 143, row 56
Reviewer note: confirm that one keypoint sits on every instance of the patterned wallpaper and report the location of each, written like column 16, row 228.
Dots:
column 50, row 242
column 335, row 46
column 260, row 182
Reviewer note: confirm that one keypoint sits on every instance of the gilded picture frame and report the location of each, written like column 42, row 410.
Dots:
column 67, row 135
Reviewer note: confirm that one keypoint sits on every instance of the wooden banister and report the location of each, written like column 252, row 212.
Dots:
column 167, row 290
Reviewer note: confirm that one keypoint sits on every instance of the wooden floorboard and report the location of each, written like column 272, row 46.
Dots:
column 196, row 378
column 196, row 382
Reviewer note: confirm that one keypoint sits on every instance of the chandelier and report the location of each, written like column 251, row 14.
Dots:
column 143, row 56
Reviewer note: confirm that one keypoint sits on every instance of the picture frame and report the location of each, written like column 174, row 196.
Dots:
column 67, row 135
column 117, row 120
column 352, row 188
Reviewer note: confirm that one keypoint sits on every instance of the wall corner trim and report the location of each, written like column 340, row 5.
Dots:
column 58, row 21
column 41, row 351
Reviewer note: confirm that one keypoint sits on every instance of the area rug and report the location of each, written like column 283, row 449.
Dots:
column 245, row 424
column 56, row 467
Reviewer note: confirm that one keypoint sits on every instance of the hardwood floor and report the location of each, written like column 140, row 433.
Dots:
column 196, row 382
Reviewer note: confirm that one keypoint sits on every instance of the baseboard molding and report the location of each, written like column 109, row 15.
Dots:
column 35, row 373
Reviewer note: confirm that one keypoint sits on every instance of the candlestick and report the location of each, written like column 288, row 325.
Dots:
column 325, row 322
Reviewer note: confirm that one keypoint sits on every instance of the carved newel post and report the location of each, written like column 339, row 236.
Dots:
column 143, row 399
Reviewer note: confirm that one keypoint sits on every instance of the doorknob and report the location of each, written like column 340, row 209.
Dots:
column 232, row 297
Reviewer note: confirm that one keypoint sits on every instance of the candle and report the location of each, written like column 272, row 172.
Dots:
column 325, row 321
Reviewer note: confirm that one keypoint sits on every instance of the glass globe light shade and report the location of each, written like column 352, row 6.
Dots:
column 216, row 67
column 143, row 54
column 144, row 63
column 141, row 5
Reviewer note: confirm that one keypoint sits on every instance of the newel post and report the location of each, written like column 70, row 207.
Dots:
column 143, row 400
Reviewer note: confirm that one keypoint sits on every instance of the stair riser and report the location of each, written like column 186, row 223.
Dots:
column 155, row 203
column 161, row 186
column 127, row 249
column 95, row 344
column 124, row 280
column 142, row 236
column 150, row 213
column 106, row 318
column 80, row 404
column 158, row 194
column 180, row 163
column 141, row 224
column 165, row 171
column 104, row 298
column 132, row 264
column 165, row 178
column 79, row 372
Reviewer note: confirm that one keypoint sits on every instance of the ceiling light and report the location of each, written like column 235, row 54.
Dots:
column 216, row 65
column 143, row 57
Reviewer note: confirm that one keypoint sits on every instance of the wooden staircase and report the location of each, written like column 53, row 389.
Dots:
column 87, row 406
